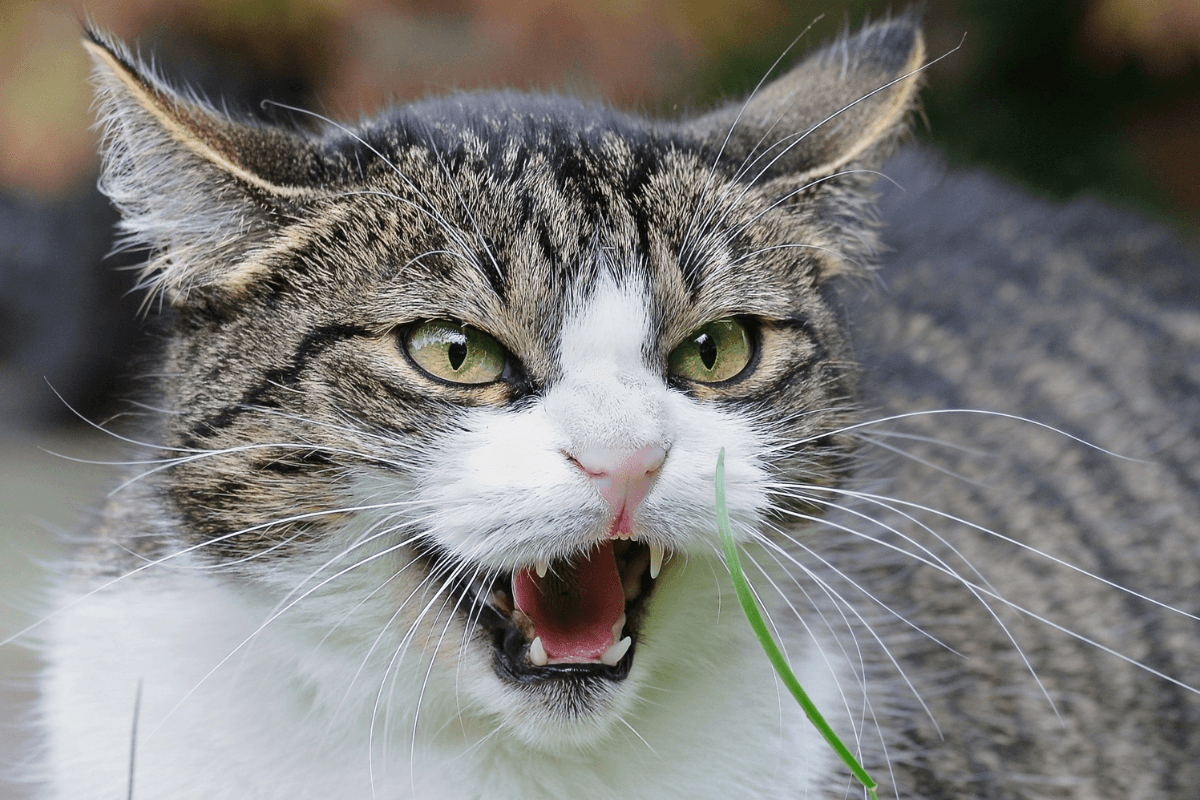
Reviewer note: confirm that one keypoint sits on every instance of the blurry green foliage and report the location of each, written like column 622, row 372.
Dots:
column 1024, row 95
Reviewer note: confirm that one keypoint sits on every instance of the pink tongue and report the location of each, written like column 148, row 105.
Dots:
column 575, row 607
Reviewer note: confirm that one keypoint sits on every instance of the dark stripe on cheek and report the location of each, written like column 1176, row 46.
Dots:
column 313, row 344
column 296, row 463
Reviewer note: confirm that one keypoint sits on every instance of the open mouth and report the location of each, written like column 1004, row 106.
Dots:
column 569, row 618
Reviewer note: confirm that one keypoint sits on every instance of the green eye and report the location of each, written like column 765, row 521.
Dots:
column 713, row 353
column 455, row 352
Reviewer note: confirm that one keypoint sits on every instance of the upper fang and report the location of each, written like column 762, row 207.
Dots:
column 656, row 559
column 542, row 568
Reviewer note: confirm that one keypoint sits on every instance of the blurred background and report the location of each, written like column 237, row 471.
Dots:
column 1063, row 96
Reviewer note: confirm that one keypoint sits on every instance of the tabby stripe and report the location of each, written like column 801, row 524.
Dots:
column 310, row 347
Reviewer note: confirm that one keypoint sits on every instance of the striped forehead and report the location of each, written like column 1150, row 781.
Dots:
column 609, row 327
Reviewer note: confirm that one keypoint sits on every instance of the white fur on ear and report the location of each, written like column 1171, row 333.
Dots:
column 187, row 179
column 813, row 138
column 844, row 104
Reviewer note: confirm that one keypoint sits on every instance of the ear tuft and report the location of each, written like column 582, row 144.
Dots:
column 813, row 137
column 192, row 184
column 846, row 103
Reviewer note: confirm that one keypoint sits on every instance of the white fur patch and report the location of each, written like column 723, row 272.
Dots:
column 504, row 492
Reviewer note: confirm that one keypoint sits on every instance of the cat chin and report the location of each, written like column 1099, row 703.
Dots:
column 557, row 718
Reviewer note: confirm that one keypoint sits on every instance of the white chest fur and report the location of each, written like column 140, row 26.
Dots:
column 284, row 716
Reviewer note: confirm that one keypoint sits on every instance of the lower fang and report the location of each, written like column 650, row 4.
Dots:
column 537, row 653
column 615, row 653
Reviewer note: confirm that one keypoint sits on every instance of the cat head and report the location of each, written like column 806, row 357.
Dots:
column 461, row 371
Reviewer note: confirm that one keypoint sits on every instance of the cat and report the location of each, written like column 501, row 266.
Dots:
column 429, row 510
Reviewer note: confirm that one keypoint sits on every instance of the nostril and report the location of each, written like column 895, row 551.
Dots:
column 645, row 461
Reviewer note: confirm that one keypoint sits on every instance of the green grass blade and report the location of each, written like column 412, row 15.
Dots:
column 774, row 654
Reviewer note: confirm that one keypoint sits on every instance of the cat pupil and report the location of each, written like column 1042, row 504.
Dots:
column 457, row 353
column 708, row 350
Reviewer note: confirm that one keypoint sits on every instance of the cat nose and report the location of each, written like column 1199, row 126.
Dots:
column 623, row 477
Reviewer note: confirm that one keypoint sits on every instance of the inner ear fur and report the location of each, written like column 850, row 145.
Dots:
column 841, row 105
column 194, row 185
column 812, row 138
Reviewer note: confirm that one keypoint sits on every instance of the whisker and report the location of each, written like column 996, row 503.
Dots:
column 922, row 461
column 274, row 616
column 649, row 747
column 986, row 590
column 400, row 608
column 975, row 411
column 176, row 555
column 686, row 239
column 1018, row 543
column 844, row 603
column 392, row 664
column 781, row 639
column 949, row 571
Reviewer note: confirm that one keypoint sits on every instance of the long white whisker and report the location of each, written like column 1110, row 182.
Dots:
column 816, row 642
column 638, row 735
column 949, row 571
column 841, row 603
column 1018, row 543
column 180, row 554
column 976, row 411
column 400, row 607
column 844, row 603
column 922, row 461
column 686, row 239
column 393, row 663
column 275, row 615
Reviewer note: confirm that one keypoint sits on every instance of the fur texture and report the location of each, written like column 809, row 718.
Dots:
column 314, row 577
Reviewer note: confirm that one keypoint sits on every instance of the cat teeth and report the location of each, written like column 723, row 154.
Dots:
column 542, row 568
column 656, row 559
column 615, row 653
column 537, row 652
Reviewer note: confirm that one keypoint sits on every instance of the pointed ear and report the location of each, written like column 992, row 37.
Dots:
column 811, row 140
column 196, row 186
column 845, row 104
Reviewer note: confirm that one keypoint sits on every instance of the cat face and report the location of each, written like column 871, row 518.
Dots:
column 461, row 374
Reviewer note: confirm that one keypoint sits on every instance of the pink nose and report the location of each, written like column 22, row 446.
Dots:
column 624, row 478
